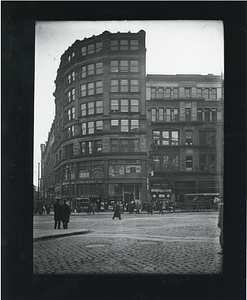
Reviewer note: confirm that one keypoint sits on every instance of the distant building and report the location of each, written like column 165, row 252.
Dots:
column 108, row 113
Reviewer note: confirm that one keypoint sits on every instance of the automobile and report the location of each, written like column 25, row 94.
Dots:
column 82, row 204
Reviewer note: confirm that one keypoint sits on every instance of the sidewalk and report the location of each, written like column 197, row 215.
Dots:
column 41, row 234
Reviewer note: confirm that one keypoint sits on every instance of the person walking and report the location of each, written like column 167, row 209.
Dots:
column 65, row 214
column 57, row 214
column 220, row 225
column 117, row 211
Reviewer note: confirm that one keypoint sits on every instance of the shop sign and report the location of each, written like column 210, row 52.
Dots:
column 91, row 181
column 90, row 196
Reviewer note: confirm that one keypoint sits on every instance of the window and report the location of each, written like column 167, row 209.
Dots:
column 133, row 168
column 71, row 131
column 168, row 93
column 165, row 137
column 114, row 105
column 214, row 93
column 199, row 93
column 99, row 107
column 214, row 115
column 83, row 147
column 202, row 162
column 83, row 169
column 211, row 162
column 114, row 66
column 124, row 85
column 153, row 115
column 98, row 46
column 187, row 115
column 134, row 66
column 207, row 114
column 99, row 68
column 90, row 88
column 114, row 146
column 73, row 113
column 175, row 92
column 83, row 109
column 73, row 76
column 124, row 65
column 71, row 95
column 134, row 125
column 168, row 115
column 199, row 114
column 165, row 163
column 187, row 92
column 153, row 93
column 83, row 51
column 99, row 146
column 124, row 125
column 90, row 49
column 90, row 127
column 116, row 170
column 69, row 79
column 160, row 93
column 114, row 44
column 175, row 117
column 90, row 69
column 174, row 163
column 202, row 138
column 135, row 145
column 156, row 136
column 90, row 107
column 161, row 114
column 84, row 128
column 133, row 44
column 90, row 147
column 206, row 93
column 211, row 138
column 69, row 58
column 134, row 85
column 114, row 125
column 114, row 86
column 83, row 90
column 99, row 125
column 189, row 160
column 99, row 87
column 156, row 161
column 124, row 145
column 174, row 137
column 123, row 44
column 207, row 137
column 188, row 137
column 124, row 105
column 134, row 105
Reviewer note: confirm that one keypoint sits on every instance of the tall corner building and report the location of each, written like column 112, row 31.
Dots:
column 100, row 123
column 109, row 112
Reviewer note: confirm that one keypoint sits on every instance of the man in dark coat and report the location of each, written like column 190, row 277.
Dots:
column 65, row 214
column 117, row 211
column 57, row 214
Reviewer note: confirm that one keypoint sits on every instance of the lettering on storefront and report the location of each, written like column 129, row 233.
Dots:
column 90, row 196
column 208, row 184
column 91, row 181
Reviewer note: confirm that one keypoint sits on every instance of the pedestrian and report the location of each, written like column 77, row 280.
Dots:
column 137, row 209
column 220, row 225
column 57, row 214
column 117, row 211
column 65, row 214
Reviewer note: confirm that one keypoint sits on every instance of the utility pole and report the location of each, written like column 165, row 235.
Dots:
column 38, row 182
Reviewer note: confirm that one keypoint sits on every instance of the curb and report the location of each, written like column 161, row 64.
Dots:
column 47, row 237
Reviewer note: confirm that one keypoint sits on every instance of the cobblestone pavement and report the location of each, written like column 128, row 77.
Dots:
column 173, row 243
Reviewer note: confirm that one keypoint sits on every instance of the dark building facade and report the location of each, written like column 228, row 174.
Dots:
column 108, row 112
column 184, row 119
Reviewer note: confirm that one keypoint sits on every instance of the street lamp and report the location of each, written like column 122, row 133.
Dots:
column 68, row 167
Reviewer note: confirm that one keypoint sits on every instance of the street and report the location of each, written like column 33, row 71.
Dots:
column 173, row 243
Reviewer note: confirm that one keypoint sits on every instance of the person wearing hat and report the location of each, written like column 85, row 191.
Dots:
column 57, row 214
column 65, row 214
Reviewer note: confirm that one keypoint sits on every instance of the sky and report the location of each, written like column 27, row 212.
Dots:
column 173, row 47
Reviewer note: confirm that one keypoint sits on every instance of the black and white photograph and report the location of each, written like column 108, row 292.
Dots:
column 123, row 150
column 128, row 148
